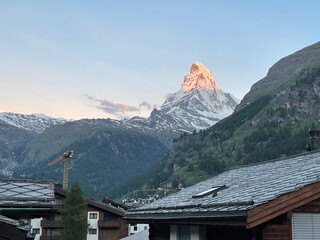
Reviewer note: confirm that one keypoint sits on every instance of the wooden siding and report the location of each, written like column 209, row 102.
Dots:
column 49, row 223
column 109, row 223
column 311, row 207
column 277, row 232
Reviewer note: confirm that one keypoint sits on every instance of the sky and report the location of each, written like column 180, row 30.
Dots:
column 117, row 59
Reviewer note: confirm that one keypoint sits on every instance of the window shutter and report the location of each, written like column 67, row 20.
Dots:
column 305, row 226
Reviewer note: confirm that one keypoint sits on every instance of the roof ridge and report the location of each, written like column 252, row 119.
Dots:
column 275, row 160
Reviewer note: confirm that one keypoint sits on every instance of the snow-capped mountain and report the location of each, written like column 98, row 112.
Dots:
column 34, row 122
column 200, row 103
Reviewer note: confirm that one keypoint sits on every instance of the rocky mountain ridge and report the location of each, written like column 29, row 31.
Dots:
column 199, row 77
column 31, row 122
column 286, row 70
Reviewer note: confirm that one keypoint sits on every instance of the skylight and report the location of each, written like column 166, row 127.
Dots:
column 212, row 191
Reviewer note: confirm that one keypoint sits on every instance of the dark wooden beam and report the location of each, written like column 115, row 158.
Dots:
column 283, row 204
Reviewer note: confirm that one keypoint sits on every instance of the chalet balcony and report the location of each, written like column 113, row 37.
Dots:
column 50, row 223
column 58, row 207
column 109, row 224
column 46, row 238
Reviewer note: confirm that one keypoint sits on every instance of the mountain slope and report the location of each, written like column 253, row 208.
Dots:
column 267, row 125
column 12, row 143
column 107, row 152
column 283, row 72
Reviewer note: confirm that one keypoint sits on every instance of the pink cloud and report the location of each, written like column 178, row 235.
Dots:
column 119, row 110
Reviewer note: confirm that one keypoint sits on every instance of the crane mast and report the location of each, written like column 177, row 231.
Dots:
column 64, row 157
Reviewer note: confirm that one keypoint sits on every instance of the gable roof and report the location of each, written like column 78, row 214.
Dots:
column 246, row 188
column 26, row 193
column 102, row 206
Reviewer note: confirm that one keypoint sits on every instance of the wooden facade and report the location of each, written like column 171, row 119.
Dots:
column 277, row 228
column 107, row 228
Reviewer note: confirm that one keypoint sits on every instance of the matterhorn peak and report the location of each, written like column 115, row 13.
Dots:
column 199, row 77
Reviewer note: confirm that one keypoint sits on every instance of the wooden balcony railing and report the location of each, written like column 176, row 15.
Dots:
column 57, row 207
column 46, row 238
column 50, row 223
column 109, row 223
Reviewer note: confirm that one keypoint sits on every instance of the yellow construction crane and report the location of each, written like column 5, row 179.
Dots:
column 64, row 157
column 164, row 190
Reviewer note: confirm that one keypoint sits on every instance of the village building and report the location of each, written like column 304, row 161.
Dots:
column 105, row 219
column 31, row 210
column 11, row 229
column 22, row 206
column 276, row 200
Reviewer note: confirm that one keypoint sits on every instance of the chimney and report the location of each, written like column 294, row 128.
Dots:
column 314, row 138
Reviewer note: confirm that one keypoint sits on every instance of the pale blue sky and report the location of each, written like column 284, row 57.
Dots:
column 75, row 59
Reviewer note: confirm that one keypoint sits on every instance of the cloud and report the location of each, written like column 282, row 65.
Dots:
column 114, row 108
column 145, row 105
column 120, row 110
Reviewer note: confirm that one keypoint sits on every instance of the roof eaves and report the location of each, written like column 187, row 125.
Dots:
column 187, row 215
column 93, row 203
column 105, row 207
column 200, row 205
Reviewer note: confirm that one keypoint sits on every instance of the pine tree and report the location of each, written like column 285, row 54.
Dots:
column 74, row 225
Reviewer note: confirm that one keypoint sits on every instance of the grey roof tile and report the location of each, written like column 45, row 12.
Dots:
column 258, row 183
column 21, row 192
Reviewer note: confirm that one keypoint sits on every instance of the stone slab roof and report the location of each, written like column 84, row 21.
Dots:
column 246, row 188
column 26, row 192
column 15, row 223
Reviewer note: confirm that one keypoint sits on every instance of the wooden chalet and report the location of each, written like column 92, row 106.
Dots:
column 105, row 220
column 31, row 210
column 277, row 200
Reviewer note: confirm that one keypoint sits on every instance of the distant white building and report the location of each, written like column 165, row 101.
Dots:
column 135, row 228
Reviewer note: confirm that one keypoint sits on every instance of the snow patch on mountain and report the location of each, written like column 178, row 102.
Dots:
column 199, row 104
column 33, row 122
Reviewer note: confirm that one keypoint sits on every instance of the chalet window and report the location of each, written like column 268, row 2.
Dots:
column 305, row 226
column 110, row 216
column 52, row 232
column 187, row 232
column 92, row 231
column 93, row 215
column 57, row 217
column 184, row 232
column 36, row 231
